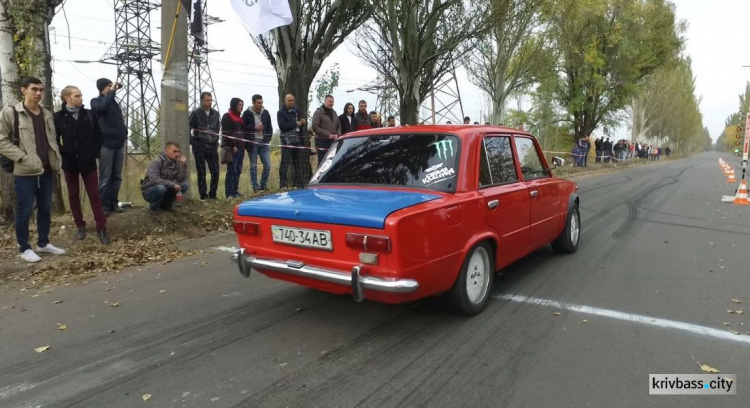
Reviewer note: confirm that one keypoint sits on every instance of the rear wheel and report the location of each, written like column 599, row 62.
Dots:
column 567, row 242
column 471, row 291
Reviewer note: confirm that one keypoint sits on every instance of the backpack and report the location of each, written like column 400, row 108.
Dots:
column 5, row 162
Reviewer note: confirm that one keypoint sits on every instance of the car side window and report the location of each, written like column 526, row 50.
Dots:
column 497, row 165
column 531, row 163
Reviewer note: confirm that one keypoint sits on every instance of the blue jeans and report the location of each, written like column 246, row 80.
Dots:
column 110, row 175
column 28, row 190
column 162, row 196
column 265, row 157
column 234, row 170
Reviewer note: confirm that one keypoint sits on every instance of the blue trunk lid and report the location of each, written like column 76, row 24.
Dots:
column 355, row 207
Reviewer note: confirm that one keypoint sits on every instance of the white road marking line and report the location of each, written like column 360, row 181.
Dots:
column 12, row 390
column 629, row 317
column 226, row 249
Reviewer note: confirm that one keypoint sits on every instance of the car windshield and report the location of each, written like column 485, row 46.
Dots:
column 418, row 160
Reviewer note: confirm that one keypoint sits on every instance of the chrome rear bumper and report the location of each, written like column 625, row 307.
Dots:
column 354, row 279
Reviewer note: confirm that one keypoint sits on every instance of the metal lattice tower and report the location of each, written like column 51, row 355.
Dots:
column 386, row 97
column 133, row 52
column 443, row 102
column 199, row 73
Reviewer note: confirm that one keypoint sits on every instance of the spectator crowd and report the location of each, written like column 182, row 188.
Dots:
column 607, row 151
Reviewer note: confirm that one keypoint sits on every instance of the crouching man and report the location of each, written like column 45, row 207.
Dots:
column 165, row 179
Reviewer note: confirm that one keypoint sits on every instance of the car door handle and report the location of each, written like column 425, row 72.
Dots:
column 534, row 193
column 493, row 204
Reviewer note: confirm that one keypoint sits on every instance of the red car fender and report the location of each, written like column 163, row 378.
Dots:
column 488, row 235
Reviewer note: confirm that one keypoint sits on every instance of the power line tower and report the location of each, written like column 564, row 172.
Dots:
column 133, row 52
column 199, row 73
column 386, row 97
column 444, row 103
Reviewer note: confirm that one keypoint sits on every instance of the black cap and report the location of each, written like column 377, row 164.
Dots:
column 102, row 83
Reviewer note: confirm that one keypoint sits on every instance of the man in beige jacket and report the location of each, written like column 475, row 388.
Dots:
column 36, row 161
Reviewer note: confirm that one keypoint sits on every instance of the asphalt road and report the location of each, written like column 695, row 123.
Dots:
column 659, row 262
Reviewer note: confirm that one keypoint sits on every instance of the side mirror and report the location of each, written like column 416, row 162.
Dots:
column 558, row 162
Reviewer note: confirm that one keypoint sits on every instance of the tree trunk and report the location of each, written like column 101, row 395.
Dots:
column 8, row 96
column 292, row 81
column 409, row 110
column 58, row 203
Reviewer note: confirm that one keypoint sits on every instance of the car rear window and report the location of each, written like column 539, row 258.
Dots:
column 428, row 161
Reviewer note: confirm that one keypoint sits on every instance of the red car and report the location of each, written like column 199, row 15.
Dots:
column 398, row 214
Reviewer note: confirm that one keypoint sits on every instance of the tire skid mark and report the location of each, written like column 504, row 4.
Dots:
column 151, row 354
column 393, row 331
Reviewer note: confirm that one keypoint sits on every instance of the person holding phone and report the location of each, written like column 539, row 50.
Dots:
column 115, row 134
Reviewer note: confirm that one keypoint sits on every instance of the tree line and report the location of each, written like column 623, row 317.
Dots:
column 586, row 65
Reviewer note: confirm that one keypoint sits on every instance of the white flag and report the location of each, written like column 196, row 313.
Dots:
column 261, row 16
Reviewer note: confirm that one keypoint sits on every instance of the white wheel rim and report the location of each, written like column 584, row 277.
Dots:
column 575, row 229
column 478, row 275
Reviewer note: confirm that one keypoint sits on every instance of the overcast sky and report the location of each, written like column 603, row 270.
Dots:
column 718, row 42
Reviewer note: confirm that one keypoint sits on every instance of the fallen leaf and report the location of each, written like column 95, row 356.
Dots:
column 739, row 312
column 557, row 313
column 162, row 291
column 584, row 321
column 709, row 369
column 41, row 349
column 171, row 354
column 62, row 327
column 736, row 301
column 115, row 304
column 726, row 323
column 734, row 332
column 57, row 302
column 110, row 332
column 146, row 397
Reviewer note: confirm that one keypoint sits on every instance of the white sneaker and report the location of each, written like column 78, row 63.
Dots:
column 51, row 249
column 30, row 256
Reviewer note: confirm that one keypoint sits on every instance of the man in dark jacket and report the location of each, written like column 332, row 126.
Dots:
column 258, row 123
column 599, row 147
column 115, row 133
column 292, row 125
column 80, row 140
column 362, row 119
column 326, row 127
column 165, row 179
column 205, row 124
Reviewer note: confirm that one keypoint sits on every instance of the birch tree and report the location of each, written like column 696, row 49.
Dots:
column 413, row 43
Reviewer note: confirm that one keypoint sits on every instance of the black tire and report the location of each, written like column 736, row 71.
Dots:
column 566, row 243
column 459, row 297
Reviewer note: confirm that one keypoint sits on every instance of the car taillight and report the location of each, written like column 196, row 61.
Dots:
column 247, row 228
column 368, row 242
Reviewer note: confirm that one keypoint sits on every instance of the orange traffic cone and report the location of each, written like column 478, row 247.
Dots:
column 741, row 197
column 730, row 177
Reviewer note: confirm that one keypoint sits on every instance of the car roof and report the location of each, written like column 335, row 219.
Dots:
column 463, row 131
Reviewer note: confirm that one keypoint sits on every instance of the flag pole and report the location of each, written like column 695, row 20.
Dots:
column 171, row 37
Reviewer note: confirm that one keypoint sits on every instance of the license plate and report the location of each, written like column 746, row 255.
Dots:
column 302, row 237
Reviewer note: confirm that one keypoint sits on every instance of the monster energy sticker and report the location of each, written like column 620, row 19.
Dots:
column 444, row 148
